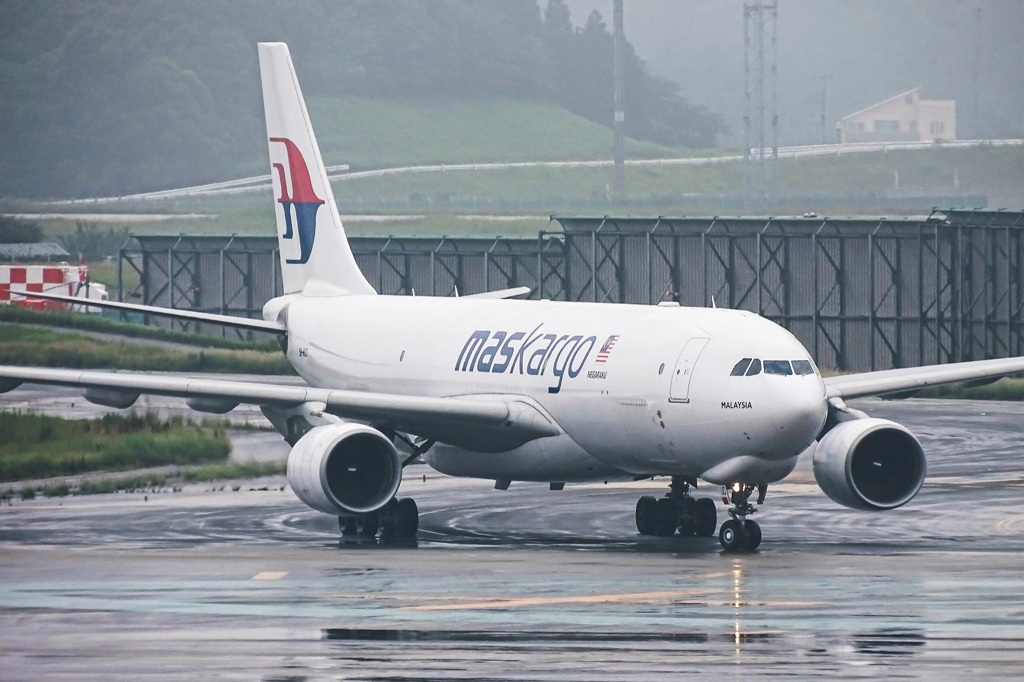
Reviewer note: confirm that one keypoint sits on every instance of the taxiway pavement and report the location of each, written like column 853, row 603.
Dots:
column 530, row 583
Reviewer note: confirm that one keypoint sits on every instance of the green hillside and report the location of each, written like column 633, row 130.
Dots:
column 458, row 202
column 371, row 133
column 854, row 183
column 114, row 97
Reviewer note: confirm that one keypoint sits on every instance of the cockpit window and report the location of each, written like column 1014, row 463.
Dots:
column 803, row 367
column 751, row 367
column 740, row 368
column 778, row 367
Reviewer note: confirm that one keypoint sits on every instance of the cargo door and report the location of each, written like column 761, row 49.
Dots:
column 683, row 372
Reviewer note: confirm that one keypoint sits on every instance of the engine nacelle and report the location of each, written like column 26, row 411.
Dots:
column 871, row 464
column 343, row 469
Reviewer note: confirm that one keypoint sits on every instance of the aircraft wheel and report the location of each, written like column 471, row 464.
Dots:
column 647, row 515
column 688, row 516
column 705, row 517
column 408, row 518
column 348, row 525
column 731, row 535
column 368, row 524
column 753, row 533
column 668, row 518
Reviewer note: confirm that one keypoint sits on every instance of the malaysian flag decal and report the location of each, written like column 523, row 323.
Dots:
column 606, row 349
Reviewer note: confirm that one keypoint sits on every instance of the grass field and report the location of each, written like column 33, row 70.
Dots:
column 1004, row 389
column 32, row 346
column 97, row 323
column 105, row 272
column 451, row 202
column 36, row 446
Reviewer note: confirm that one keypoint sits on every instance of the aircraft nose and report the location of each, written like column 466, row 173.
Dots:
column 801, row 411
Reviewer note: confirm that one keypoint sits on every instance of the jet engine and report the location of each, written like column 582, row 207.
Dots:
column 870, row 464
column 344, row 469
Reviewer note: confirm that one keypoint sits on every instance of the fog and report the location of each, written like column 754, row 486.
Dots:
column 869, row 50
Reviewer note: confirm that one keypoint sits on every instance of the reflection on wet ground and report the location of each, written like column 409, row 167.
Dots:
column 530, row 583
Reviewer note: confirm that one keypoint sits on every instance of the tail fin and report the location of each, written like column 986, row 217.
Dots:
column 312, row 241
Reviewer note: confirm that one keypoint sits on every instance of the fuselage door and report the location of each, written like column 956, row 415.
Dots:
column 680, row 390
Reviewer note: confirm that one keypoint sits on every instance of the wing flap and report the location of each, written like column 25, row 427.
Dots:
column 896, row 381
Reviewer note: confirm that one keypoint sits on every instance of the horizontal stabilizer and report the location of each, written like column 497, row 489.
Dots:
column 514, row 292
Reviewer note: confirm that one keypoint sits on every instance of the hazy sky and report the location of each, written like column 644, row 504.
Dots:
column 869, row 49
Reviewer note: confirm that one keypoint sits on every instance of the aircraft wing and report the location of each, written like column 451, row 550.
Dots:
column 509, row 417
column 912, row 379
column 190, row 315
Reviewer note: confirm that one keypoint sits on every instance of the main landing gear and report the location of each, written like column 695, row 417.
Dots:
column 738, row 532
column 398, row 520
column 677, row 511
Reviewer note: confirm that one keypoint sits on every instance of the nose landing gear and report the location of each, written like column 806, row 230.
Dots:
column 676, row 511
column 738, row 532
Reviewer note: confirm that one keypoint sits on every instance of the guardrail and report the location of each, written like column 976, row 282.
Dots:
column 340, row 172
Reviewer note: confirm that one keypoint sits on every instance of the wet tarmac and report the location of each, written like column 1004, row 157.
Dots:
column 530, row 583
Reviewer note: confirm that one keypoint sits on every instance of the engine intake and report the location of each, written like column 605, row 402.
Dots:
column 342, row 469
column 870, row 464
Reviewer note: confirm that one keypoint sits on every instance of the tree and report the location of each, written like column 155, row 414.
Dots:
column 113, row 97
column 15, row 231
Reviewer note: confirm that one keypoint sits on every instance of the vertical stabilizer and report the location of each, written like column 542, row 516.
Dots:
column 312, row 240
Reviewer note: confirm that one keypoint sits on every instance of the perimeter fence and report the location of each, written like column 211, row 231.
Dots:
column 859, row 293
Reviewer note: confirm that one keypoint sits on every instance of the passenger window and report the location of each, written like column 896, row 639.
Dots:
column 803, row 367
column 755, row 368
column 740, row 368
column 780, row 367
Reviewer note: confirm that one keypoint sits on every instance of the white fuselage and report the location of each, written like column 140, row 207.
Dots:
column 638, row 390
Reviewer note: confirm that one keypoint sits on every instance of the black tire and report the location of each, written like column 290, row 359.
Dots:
column 369, row 524
column 668, row 518
column 348, row 525
column 732, row 536
column 408, row 518
column 388, row 519
column 705, row 518
column 753, row 533
column 687, row 516
column 647, row 515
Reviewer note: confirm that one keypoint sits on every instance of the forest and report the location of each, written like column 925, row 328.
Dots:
column 109, row 97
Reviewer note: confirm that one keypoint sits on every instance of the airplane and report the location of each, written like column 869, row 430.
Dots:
column 495, row 387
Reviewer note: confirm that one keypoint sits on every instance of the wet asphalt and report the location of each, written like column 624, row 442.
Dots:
column 530, row 583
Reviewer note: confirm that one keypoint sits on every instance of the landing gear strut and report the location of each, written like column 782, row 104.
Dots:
column 738, row 532
column 398, row 520
column 676, row 511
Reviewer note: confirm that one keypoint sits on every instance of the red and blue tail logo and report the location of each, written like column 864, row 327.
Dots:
column 303, row 201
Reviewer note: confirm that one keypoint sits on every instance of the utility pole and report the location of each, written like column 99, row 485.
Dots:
column 760, row 51
column 824, row 107
column 977, row 72
column 619, row 151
